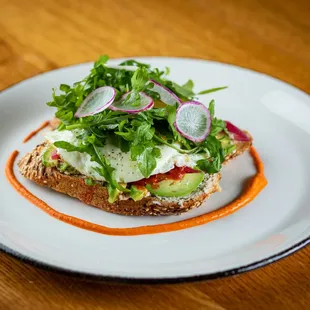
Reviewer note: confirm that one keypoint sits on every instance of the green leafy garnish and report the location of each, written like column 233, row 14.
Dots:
column 89, row 181
column 142, row 134
column 211, row 90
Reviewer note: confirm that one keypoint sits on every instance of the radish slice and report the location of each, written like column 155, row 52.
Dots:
column 193, row 121
column 166, row 95
column 237, row 134
column 54, row 155
column 146, row 103
column 96, row 101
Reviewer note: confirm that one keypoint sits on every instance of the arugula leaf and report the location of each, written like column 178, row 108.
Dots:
column 121, row 143
column 211, row 90
column 156, row 152
column 211, row 108
column 139, row 79
column 133, row 62
column 184, row 91
column 188, row 86
column 102, row 60
column 128, row 135
column 208, row 166
column 147, row 161
column 136, row 150
column 65, row 88
column 143, row 134
column 167, row 70
column 70, row 147
column 217, row 126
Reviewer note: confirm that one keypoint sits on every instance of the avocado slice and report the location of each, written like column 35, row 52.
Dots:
column 179, row 188
column 113, row 194
column 224, row 138
column 137, row 193
column 47, row 159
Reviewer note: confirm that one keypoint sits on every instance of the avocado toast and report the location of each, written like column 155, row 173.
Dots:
column 132, row 142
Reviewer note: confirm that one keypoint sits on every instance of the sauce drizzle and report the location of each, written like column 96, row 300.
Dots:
column 250, row 191
column 34, row 132
column 177, row 173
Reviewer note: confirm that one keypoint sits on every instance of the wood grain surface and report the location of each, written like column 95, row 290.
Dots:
column 271, row 36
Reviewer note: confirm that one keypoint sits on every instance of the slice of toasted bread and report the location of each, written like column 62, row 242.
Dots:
column 31, row 167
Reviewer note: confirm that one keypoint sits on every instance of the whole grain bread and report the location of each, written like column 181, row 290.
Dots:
column 32, row 168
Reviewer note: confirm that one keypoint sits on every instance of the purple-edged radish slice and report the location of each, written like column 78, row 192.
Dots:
column 97, row 101
column 146, row 103
column 237, row 134
column 193, row 121
column 166, row 95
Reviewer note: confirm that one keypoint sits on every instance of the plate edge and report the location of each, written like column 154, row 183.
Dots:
column 130, row 280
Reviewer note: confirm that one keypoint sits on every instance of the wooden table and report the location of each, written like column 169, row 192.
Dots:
column 271, row 36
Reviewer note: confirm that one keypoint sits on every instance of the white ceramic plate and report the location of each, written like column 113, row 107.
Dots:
column 274, row 225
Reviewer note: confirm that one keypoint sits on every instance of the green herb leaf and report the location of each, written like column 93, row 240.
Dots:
column 146, row 162
column 136, row 150
column 188, row 86
column 211, row 108
column 184, row 91
column 89, row 181
column 139, row 79
column 70, row 147
column 143, row 134
column 102, row 60
column 65, row 88
column 133, row 62
column 211, row 90
column 210, row 167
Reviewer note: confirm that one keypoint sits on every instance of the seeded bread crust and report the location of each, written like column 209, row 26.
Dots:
column 32, row 168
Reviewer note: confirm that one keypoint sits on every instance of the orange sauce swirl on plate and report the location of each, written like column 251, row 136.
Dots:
column 34, row 132
column 253, row 187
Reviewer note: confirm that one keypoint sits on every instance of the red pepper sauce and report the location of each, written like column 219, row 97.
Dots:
column 177, row 173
